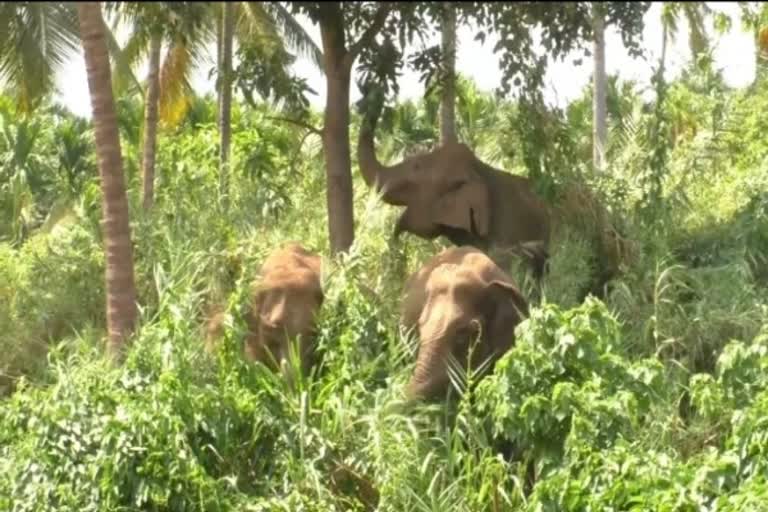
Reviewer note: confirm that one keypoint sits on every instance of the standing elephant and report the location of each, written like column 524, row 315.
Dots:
column 457, row 295
column 449, row 192
column 286, row 300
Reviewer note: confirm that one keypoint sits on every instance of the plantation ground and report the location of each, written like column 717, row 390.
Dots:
column 653, row 398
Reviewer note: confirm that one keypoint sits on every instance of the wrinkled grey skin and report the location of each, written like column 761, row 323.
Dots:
column 457, row 292
column 449, row 192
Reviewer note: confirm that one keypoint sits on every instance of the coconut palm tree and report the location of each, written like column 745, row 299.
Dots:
column 122, row 310
column 225, row 95
column 695, row 14
column 599, row 106
column 272, row 26
column 150, row 120
column 187, row 28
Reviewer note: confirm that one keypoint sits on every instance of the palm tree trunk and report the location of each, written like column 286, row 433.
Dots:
column 219, row 42
column 151, row 119
column 226, row 99
column 448, row 101
column 599, row 105
column 120, row 288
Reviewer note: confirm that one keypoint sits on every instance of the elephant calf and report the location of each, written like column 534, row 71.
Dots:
column 286, row 300
column 457, row 295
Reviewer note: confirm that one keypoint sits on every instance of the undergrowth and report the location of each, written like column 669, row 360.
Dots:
column 650, row 397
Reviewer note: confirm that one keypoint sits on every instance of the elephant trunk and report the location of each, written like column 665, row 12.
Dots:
column 388, row 181
column 430, row 376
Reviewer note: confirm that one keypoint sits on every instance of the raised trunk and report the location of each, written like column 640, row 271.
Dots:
column 448, row 100
column 226, row 99
column 387, row 181
column 120, row 287
column 599, row 106
column 370, row 167
column 150, row 120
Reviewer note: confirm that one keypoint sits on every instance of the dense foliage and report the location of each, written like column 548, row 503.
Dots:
column 652, row 398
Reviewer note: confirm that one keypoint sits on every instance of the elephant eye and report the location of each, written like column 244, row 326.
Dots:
column 466, row 334
column 456, row 186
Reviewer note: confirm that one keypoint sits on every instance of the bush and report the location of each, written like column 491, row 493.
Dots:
column 653, row 398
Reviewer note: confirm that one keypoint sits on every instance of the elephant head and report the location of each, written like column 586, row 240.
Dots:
column 442, row 191
column 285, row 305
column 458, row 297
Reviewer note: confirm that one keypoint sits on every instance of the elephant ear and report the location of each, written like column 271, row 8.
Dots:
column 252, row 308
column 505, row 307
column 465, row 206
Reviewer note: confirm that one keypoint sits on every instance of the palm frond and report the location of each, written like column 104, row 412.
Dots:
column 187, row 24
column 294, row 34
column 175, row 88
column 257, row 27
column 670, row 12
column 37, row 40
column 125, row 59
column 695, row 14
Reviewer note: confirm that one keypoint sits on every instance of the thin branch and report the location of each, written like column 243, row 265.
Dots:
column 308, row 126
column 298, row 151
column 378, row 23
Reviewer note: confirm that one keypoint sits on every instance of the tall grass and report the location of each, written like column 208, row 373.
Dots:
column 652, row 396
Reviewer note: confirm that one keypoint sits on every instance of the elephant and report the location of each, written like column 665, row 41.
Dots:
column 456, row 295
column 450, row 192
column 285, row 304
column 284, row 301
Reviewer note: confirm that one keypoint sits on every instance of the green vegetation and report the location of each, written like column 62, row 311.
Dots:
column 653, row 398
